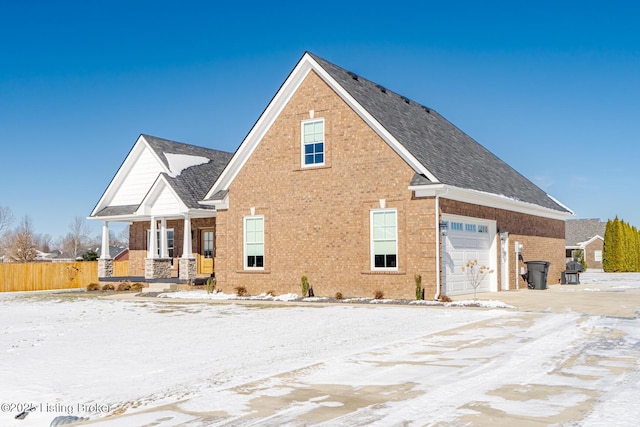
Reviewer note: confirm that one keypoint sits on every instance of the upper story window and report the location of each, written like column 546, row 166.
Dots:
column 313, row 142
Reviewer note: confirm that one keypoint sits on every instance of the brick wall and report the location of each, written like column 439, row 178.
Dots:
column 317, row 220
column 543, row 239
column 589, row 255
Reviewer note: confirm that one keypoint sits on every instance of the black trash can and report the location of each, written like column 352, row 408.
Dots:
column 537, row 274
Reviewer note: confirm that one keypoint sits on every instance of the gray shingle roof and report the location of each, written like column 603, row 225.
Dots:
column 117, row 210
column 449, row 154
column 193, row 183
column 581, row 230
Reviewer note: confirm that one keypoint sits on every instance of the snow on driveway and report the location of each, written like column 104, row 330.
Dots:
column 195, row 364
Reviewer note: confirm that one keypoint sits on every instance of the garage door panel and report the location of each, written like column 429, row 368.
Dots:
column 468, row 242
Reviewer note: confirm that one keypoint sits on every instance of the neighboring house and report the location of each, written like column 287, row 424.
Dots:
column 341, row 180
column 116, row 252
column 55, row 255
column 585, row 236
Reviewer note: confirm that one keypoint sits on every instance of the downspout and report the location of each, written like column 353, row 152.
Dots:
column 438, row 235
column 437, row 228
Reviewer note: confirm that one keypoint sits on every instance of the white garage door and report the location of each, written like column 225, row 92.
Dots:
column 467, row 239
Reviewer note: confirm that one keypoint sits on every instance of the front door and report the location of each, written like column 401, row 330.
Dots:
column 206, row 252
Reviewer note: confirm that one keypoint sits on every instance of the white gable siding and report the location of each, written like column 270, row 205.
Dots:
column 166, row 203
column 142, row 175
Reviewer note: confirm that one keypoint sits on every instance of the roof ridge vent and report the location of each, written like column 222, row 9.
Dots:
column 427, row 109
column 354, row 76
column 405, row 99
column 382, row 88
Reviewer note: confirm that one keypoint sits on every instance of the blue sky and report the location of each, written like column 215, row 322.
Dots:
column 552, row 88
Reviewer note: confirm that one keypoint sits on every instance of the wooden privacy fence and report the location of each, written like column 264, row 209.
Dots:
column 42, row 276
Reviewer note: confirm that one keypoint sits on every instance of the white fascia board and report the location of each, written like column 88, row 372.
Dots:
column 123, row 171
column 488, row 199
column 275, row 107
column 261, row 127
column 115, row 218
column 591, row 240
column 202, row 213
column 218, row 204
column 148, row 202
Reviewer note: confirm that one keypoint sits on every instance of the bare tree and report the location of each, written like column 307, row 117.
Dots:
column 120, row 239
column 22, row 242
column 43, row 242
column 6, row 218
column 77, row 238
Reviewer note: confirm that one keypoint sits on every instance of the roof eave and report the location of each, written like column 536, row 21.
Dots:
column 488, row 199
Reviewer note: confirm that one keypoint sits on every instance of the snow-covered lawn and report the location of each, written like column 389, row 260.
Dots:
column 169, row 363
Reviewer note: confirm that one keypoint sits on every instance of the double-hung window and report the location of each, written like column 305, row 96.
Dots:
column 384, row 239
column 313, row 147
column 254, row 242
column 170, row 241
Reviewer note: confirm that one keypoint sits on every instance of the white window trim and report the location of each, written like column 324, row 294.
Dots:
column 597, row 256
column 169, row 248
column 244, row 242
column 372, row 254
column 324, row 143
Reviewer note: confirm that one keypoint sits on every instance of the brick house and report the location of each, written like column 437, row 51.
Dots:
column 585, row 236
column 360, row 189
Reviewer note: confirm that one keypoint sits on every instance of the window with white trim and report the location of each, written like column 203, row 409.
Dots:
column 254, row 242
column 170, row 240
column 313, row 151
column 384, row 239
column 597, row 256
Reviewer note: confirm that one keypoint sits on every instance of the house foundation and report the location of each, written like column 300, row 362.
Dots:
column 105, row 267
column 187, row 269
column 157, row 268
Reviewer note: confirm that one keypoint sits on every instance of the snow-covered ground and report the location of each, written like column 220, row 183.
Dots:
column 169, row 363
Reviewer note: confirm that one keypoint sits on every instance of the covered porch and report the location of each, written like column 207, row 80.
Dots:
column 182, row 250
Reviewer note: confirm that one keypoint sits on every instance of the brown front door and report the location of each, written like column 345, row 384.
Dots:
column 206, row 252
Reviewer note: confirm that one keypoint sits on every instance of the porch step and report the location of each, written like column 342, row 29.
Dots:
column 160, row 287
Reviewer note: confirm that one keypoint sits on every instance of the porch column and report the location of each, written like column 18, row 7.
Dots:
column 187, row 247
column 152, row 250
column 164, row 246
column 187, row 263
column 105, row 263
column 104, row 253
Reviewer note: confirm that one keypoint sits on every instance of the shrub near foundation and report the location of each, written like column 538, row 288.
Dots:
column 241, row 291
column 211, row 285
column 137, row 287
column 305, row 286
column 419, row 295
column 93, row 287
column 123, row 287
column 378, row 294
